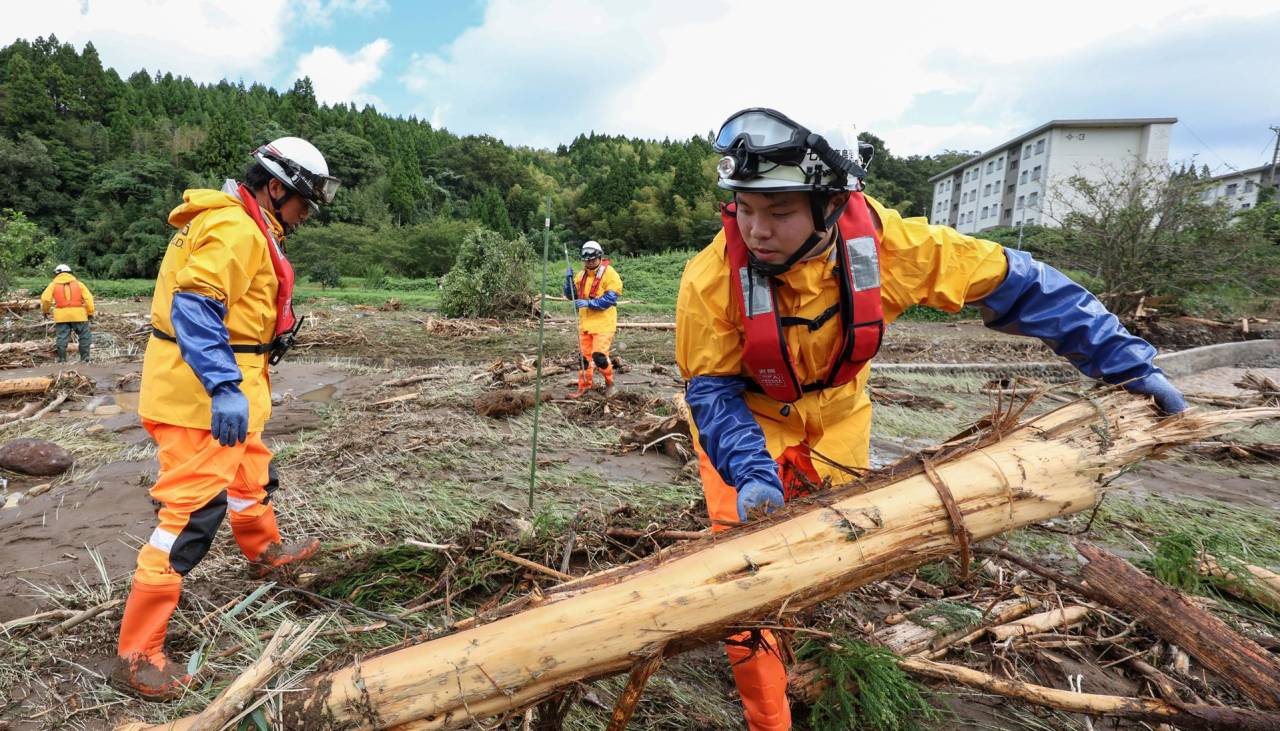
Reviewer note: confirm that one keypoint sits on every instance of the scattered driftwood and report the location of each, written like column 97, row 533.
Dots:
column 27, row 410
column 670, row 535
column 816, row 548
column 410, row 380
column 1043, row 622
column 1266, row 390
column 907, row 399
column 79, row 617
column 1257, row 452
column 1168, row 613
column 18, row 305
column 1252, row 583
column 25, row 386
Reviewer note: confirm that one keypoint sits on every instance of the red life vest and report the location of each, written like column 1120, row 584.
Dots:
column 765, row 352
column 68, row 294
column 285, row 319
column 595, row 286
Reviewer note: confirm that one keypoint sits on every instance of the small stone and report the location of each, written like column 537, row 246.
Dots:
column 109, row 410
column 35, row 457
column 95, row 428
column 12, row 500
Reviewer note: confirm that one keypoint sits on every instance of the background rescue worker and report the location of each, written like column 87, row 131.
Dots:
column 595, row 295
column 222, row 306
column 72, row 304
column 777, row 318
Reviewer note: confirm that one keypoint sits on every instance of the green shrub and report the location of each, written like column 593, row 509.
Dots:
column 491, row 278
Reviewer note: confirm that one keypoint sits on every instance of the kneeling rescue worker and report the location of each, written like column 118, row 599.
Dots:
column 222, row 310
column 777, row 319
column 595, row 295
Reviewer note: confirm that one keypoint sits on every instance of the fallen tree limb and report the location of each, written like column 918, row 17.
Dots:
column 689, row 595
column 1043, row 622
column 79, row 617
column 1257, row 584
column 18, row 305
column 1169, row 614
column 25, row 386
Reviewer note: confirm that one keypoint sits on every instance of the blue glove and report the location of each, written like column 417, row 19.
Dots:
column 1168, row 398
column 1039, row 301
column 568, row 290
column 604, row 301
column 756, row 494
column 729, row 433
column 581, row 303
column 230, row 415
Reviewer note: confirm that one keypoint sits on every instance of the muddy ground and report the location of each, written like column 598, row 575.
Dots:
column 366, row 466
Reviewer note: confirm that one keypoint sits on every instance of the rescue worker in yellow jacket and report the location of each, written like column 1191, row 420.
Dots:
column 778, row 317
column 595, row 295
column 72, row 305
column 221, row 313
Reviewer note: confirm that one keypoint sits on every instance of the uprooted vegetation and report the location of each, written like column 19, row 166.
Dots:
column 421, row 503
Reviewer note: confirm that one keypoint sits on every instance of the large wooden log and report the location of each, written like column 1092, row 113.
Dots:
column 1177, row 620
column 695, row 593
column 23, row 386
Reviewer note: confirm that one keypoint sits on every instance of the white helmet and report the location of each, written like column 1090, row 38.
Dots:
column 766, row 152
column 62, row 269
column 300, row 166
column 592, row 249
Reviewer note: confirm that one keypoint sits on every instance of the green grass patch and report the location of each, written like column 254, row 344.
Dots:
column 867, row 689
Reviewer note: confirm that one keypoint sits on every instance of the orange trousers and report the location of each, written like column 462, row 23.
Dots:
column 595, row 354
column 199, row 480
column 758, row 670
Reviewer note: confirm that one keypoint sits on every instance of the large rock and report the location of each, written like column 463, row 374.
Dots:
column 35, row 457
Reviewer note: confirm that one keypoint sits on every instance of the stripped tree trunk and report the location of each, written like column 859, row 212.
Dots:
column 1006, row 477
column 21, row 386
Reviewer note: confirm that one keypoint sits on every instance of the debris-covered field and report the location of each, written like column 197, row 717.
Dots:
column 403, row 442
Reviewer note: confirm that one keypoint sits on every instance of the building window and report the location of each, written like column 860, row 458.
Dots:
column 1248, row 186
column 1021, row 200
column 1039, row 146
column 987, row 190
column 970, row 216
column 1026, row 152
column 994, row 209
column 984, row 212
column 1000, row 161
column 991, row 166
column 1231, row 189
column 1013, row 162
column 1244, row 206
column 1011, row 187
column 1008, row 215
column 1031, row 199
column 1035, row 173
column 1025, row 173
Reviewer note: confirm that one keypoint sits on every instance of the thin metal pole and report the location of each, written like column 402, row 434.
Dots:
column 542, row 327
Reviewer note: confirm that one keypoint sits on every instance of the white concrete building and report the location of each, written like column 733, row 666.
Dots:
column 1240, row 189
column 1008, row 184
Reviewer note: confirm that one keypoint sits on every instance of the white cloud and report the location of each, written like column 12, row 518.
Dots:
column 340, row 77
column 540, row 75
column 206, row 41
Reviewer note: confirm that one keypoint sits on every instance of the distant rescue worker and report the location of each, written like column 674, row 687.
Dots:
column 595, row 295
column 777, row 319
column 72, row 305
column 221, row 313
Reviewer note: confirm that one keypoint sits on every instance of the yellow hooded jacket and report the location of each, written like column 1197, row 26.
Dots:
column 67, row 314
column 598, row 322
column 218, row 252
column 920, row 264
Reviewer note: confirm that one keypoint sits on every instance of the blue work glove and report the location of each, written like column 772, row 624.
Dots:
column 757, row 494
column 230, row 415
column 1168, row 398
column 728, row 432
column 1039, row 301
column 568, row 289
column 580, row 303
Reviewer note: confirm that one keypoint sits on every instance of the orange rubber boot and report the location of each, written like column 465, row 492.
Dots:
column 143, row 668
column 259, row 541
column 585, row 377
column 762, row 683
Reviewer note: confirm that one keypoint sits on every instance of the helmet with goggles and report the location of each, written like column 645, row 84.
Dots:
column 301, row 168
column 767, row 152
column 592, row 250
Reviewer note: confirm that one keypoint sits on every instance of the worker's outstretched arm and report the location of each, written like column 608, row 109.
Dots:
column 1039, row 301
column 733, row 440
column 205, row 345
column 604, row 301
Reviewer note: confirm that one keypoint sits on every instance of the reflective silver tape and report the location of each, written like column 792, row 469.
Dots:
column 756, row 294
column 240, row 504
column 865, row 261
column 162, row 539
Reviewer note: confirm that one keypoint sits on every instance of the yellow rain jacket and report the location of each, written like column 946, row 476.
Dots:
column 220, row 253
column 920, row 264
column 598, row 322
column 61, row 289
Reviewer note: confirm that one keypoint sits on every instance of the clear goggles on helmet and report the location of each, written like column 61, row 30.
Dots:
column 316, row 189
column 589, row 255
column 764, row 132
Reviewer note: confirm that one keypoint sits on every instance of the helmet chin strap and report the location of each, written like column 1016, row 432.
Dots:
column 821, row 227
column 276, row 204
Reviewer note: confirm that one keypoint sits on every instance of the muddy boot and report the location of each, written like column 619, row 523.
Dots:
column 585, row 377
column 609, row 390
column 142, row 667
column 259, row 541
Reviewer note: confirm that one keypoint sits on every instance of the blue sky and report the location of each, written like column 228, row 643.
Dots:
column 925, row 76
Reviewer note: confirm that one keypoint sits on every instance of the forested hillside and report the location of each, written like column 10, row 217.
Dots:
column 96, row 160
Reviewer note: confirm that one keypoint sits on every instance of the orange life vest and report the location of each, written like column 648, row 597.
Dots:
column 595, row 286
column 765, row 353
column 285, row 320
column 68, row 294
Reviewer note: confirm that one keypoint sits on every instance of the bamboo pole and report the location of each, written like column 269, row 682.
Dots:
column 1053, row 465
